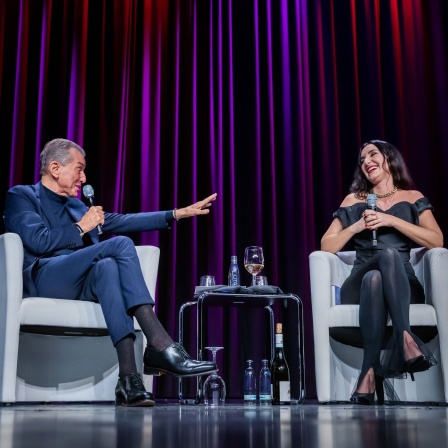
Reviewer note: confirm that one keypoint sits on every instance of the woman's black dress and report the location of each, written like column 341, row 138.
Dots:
column 384, row 284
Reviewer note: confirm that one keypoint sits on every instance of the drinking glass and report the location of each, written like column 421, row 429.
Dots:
column 261, row 280
column 253, row 261
column 214, row 387
column 207, row 280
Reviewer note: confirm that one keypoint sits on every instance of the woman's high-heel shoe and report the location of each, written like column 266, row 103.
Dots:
column 359, row 398
column 369, row 399
column 417, row 364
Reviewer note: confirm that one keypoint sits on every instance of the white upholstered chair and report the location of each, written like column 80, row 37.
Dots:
column 54, row 350
column 338, row 364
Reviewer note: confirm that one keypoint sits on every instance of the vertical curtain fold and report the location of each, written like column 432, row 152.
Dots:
column 271, row 138
column 257, row 160
column 43, row 82
column 78, row 69
column 126, row 25
column 19, row 110
column 231, row 143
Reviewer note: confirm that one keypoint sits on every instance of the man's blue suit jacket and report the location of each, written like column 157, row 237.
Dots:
column 28, row 213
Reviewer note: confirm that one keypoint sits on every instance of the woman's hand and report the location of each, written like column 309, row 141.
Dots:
column 374, row 220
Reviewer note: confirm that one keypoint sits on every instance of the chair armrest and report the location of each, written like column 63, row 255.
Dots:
column 11, row 278
column 326, row 269
column 435, row 278
column 11, row 293
column 435, row 282
column 149, row 261
column 11, row 266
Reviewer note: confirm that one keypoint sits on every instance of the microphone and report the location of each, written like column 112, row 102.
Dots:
column 88, row 193
column 371, row 203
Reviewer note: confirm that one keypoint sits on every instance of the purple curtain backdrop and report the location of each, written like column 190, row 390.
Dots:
column 264, row 102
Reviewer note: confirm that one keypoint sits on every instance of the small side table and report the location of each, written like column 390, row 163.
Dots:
column 211, row 298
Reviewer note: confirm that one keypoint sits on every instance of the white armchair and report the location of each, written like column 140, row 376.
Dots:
column 338, row 364
column 54, row 350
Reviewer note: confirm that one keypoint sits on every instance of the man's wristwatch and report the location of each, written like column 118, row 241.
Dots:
column 81, row 232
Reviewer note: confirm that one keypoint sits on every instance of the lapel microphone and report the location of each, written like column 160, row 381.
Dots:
column 88, row 193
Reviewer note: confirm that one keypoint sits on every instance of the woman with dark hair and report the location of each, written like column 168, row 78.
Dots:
column 382, row 280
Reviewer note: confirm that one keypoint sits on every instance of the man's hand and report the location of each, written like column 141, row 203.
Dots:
column 93, row 217
column 198, row 208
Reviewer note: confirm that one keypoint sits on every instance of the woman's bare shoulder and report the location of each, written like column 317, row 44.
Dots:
column 411, row 195
column 350, row 199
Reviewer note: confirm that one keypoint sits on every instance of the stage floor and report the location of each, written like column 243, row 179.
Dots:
column 234, row 425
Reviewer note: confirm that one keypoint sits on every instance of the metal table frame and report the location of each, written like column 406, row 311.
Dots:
column 210, row 298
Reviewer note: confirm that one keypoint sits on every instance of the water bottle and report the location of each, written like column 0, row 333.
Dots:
column 250, row 385
column 265, row 383
column 234, row 272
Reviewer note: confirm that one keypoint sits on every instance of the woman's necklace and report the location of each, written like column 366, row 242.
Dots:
column 385, row 195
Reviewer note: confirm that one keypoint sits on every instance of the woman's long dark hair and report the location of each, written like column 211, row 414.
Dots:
column 397, row 169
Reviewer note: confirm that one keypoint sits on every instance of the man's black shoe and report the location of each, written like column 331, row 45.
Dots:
column 130, row 391
column 175, row 361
